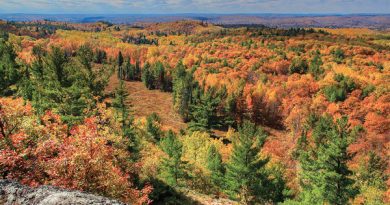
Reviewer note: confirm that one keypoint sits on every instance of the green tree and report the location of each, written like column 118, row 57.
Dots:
column 62, row 85
column 215, row 166
column 172, row 167
column 100, row 56
column 153, row 127
column 56, row 62
column 373, row 171
column 315, row 67
column 324, row 174
column 37, row 67
column 298, row 65
column 371, row 178
column 338, row 55
column 129, row 71
column 159, row 76
column 120, row 68
column 246, row 176
column 147, row 76
column 9, row 70
column 204, row 112
column 137, row 71
column 124, row 117
column 120, row 59
column 182, row 91
column 338, row 92
column 94, row 78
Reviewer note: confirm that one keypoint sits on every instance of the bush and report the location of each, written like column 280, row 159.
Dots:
column 338, row 92
column 367, row 90
column 298, row 65
column 338, row 55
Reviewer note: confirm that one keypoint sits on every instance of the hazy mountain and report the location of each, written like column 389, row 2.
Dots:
column 378, row 21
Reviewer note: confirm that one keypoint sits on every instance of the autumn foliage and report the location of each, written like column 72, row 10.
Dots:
column 88, row 157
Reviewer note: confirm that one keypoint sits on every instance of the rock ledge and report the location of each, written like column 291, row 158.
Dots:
column 13, row 193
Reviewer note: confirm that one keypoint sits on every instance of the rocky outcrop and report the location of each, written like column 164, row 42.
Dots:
column 13, row 193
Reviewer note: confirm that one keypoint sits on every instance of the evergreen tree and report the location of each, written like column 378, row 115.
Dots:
column 9, row 70
column 120, row 59
column 120, row 68
column 203, row 113
column 338, row 55
column 126, row 120
column 182, row 90
column 25, row 85
column 298, row 65
column 229, row 110
column 246, row 176
column 215, row 166
column 85, row 56
column 129, row 70
column 278, row 190
column 62, row 85
column 37, row 67
column 100, row 56
column 152, row 126
column 338, row 92
column 159, row 76
column 315, row 65
column 137, row 71
column 324, row 175
column 147, row 76
column 172, row 167
column 95, row 81
column 56, row 62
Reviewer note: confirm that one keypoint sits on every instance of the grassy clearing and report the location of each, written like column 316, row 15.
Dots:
column 145, row 102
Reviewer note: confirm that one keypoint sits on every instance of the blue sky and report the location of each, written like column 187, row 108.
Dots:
column 193, row 6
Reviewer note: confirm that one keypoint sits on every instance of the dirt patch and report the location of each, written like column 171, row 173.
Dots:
column 144, row 102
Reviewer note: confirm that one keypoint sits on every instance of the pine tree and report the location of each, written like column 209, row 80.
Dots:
column 215, row 166
column 324, row 175
column 95, row 81
column 147, row 76
column 298, row 65
column 182, row 90
column 246, row 176
column 203, row 113
column 159, row 76
column 126, row 120
column 120, row 68
column 129, row 70
column 152, row 126
column 229, row 110
column 120, row 59
column 338, row 55
column 56, row 63
column 62, row 85
column 119, row 103
column 9, row 70
column 137, row 71
column 172, row 167
column 100, row 56
column 315, row 65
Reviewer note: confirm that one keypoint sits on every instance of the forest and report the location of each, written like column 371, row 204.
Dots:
column 188, row 112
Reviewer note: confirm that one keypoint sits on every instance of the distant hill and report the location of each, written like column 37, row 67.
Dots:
column 375, row 21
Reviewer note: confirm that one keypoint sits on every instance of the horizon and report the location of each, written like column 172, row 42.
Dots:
column 171, row 7
column 201, row 13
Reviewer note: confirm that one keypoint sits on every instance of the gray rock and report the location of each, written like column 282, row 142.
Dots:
column 13, row 193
